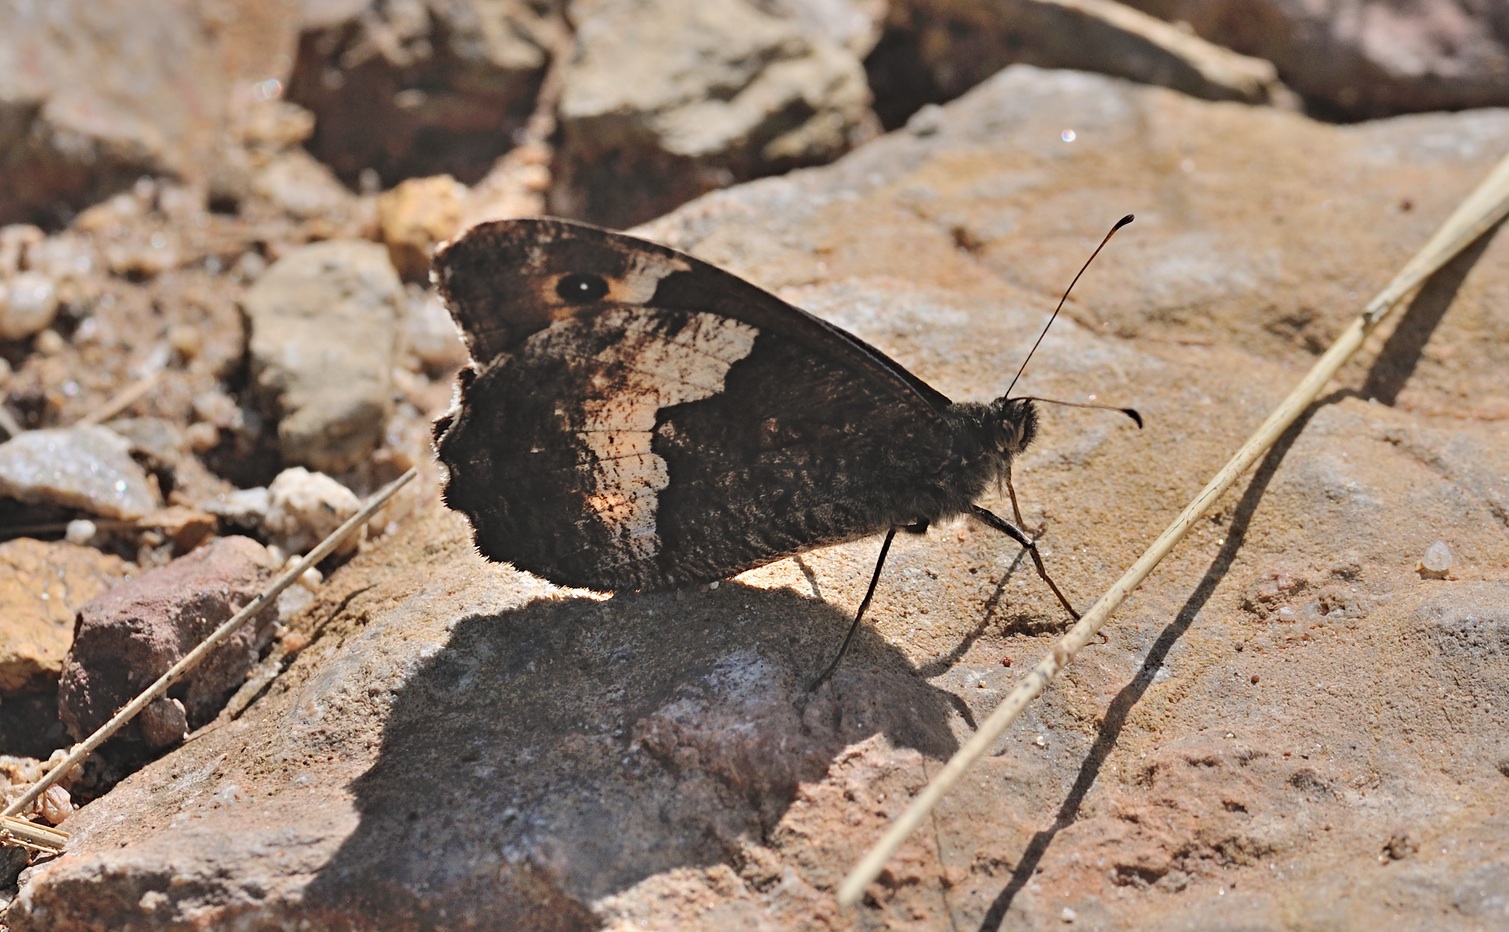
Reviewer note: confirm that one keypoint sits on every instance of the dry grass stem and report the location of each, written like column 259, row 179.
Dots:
column 122, row 399
column 1486, row 206
column 43, row 839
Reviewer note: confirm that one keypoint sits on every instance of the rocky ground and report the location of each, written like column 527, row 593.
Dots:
column 216, row 333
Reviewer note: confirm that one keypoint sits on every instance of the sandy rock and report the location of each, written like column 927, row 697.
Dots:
column 324, row 323
column 684, row 96
column 95, row 94
column 131, row 634
column 42, row 586
column 419, row 88
column 656, row 759
column 1365, row 58
column 88, row 468
column 415, row 217
column 304, row 507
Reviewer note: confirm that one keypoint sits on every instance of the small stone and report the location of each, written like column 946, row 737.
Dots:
column 202, row 437
column 1437, row 562
column 432, row 335
column 415, row 217
column 1068, row 915
column 186, row 341
column 306, row 506
column 301, row 186
column 163, row 723
column 67, row 255
column 50, row 343
column 56, row 805
column 80, row 531
column 188, row 527
column 28, row 304
column 15, row 240
column 243, row 508
column 89, row 468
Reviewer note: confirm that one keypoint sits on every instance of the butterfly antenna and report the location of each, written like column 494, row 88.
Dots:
column 1129, row 412
column 1119, row 224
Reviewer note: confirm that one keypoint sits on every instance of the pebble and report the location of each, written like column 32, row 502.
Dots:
column 56, row 805
column 432, row 335
column 28, row 304
column 1438, row 560
column 243, row 508
column 305, row 507
column 64, row 256
column 80, row 531
column 89, row 468
column 15, row 240
column 50, row 343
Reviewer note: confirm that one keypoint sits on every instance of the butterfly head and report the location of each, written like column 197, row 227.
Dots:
column 1014, row 425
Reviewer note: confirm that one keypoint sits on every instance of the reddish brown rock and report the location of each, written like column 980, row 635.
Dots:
column 131, row 634
column 42, row 586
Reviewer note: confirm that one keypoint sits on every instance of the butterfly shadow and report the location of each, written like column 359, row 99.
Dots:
column 577, row 746
column 1386, row 377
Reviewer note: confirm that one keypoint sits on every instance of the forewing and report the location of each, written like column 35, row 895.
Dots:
column 679, row 426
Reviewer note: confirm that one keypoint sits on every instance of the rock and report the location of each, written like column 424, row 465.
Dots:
column 304, row 507
column 1437, row 561
column 516, row 186
column 431, row 335
column 937, row 49
column 28, row 303
column 95, row 95
column 242, row 508
column 131, row 634
column 15, row 240
column 301, row 187
column 324, row 322
column 87, row 468
column 42, row 586
column 415, row 217
column 684, row 96
column 854, row 25
column 655, row 760
column 419, row 88
column 1365, row 58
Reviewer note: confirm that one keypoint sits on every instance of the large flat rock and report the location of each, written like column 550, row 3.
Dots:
column 1287, row 720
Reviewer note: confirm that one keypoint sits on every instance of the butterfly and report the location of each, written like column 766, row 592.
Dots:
column 636, row 418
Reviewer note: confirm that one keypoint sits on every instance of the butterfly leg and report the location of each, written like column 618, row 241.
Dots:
column 1016, row 534
column 885, row 548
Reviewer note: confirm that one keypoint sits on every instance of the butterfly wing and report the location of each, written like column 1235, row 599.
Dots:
column 636, row 418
